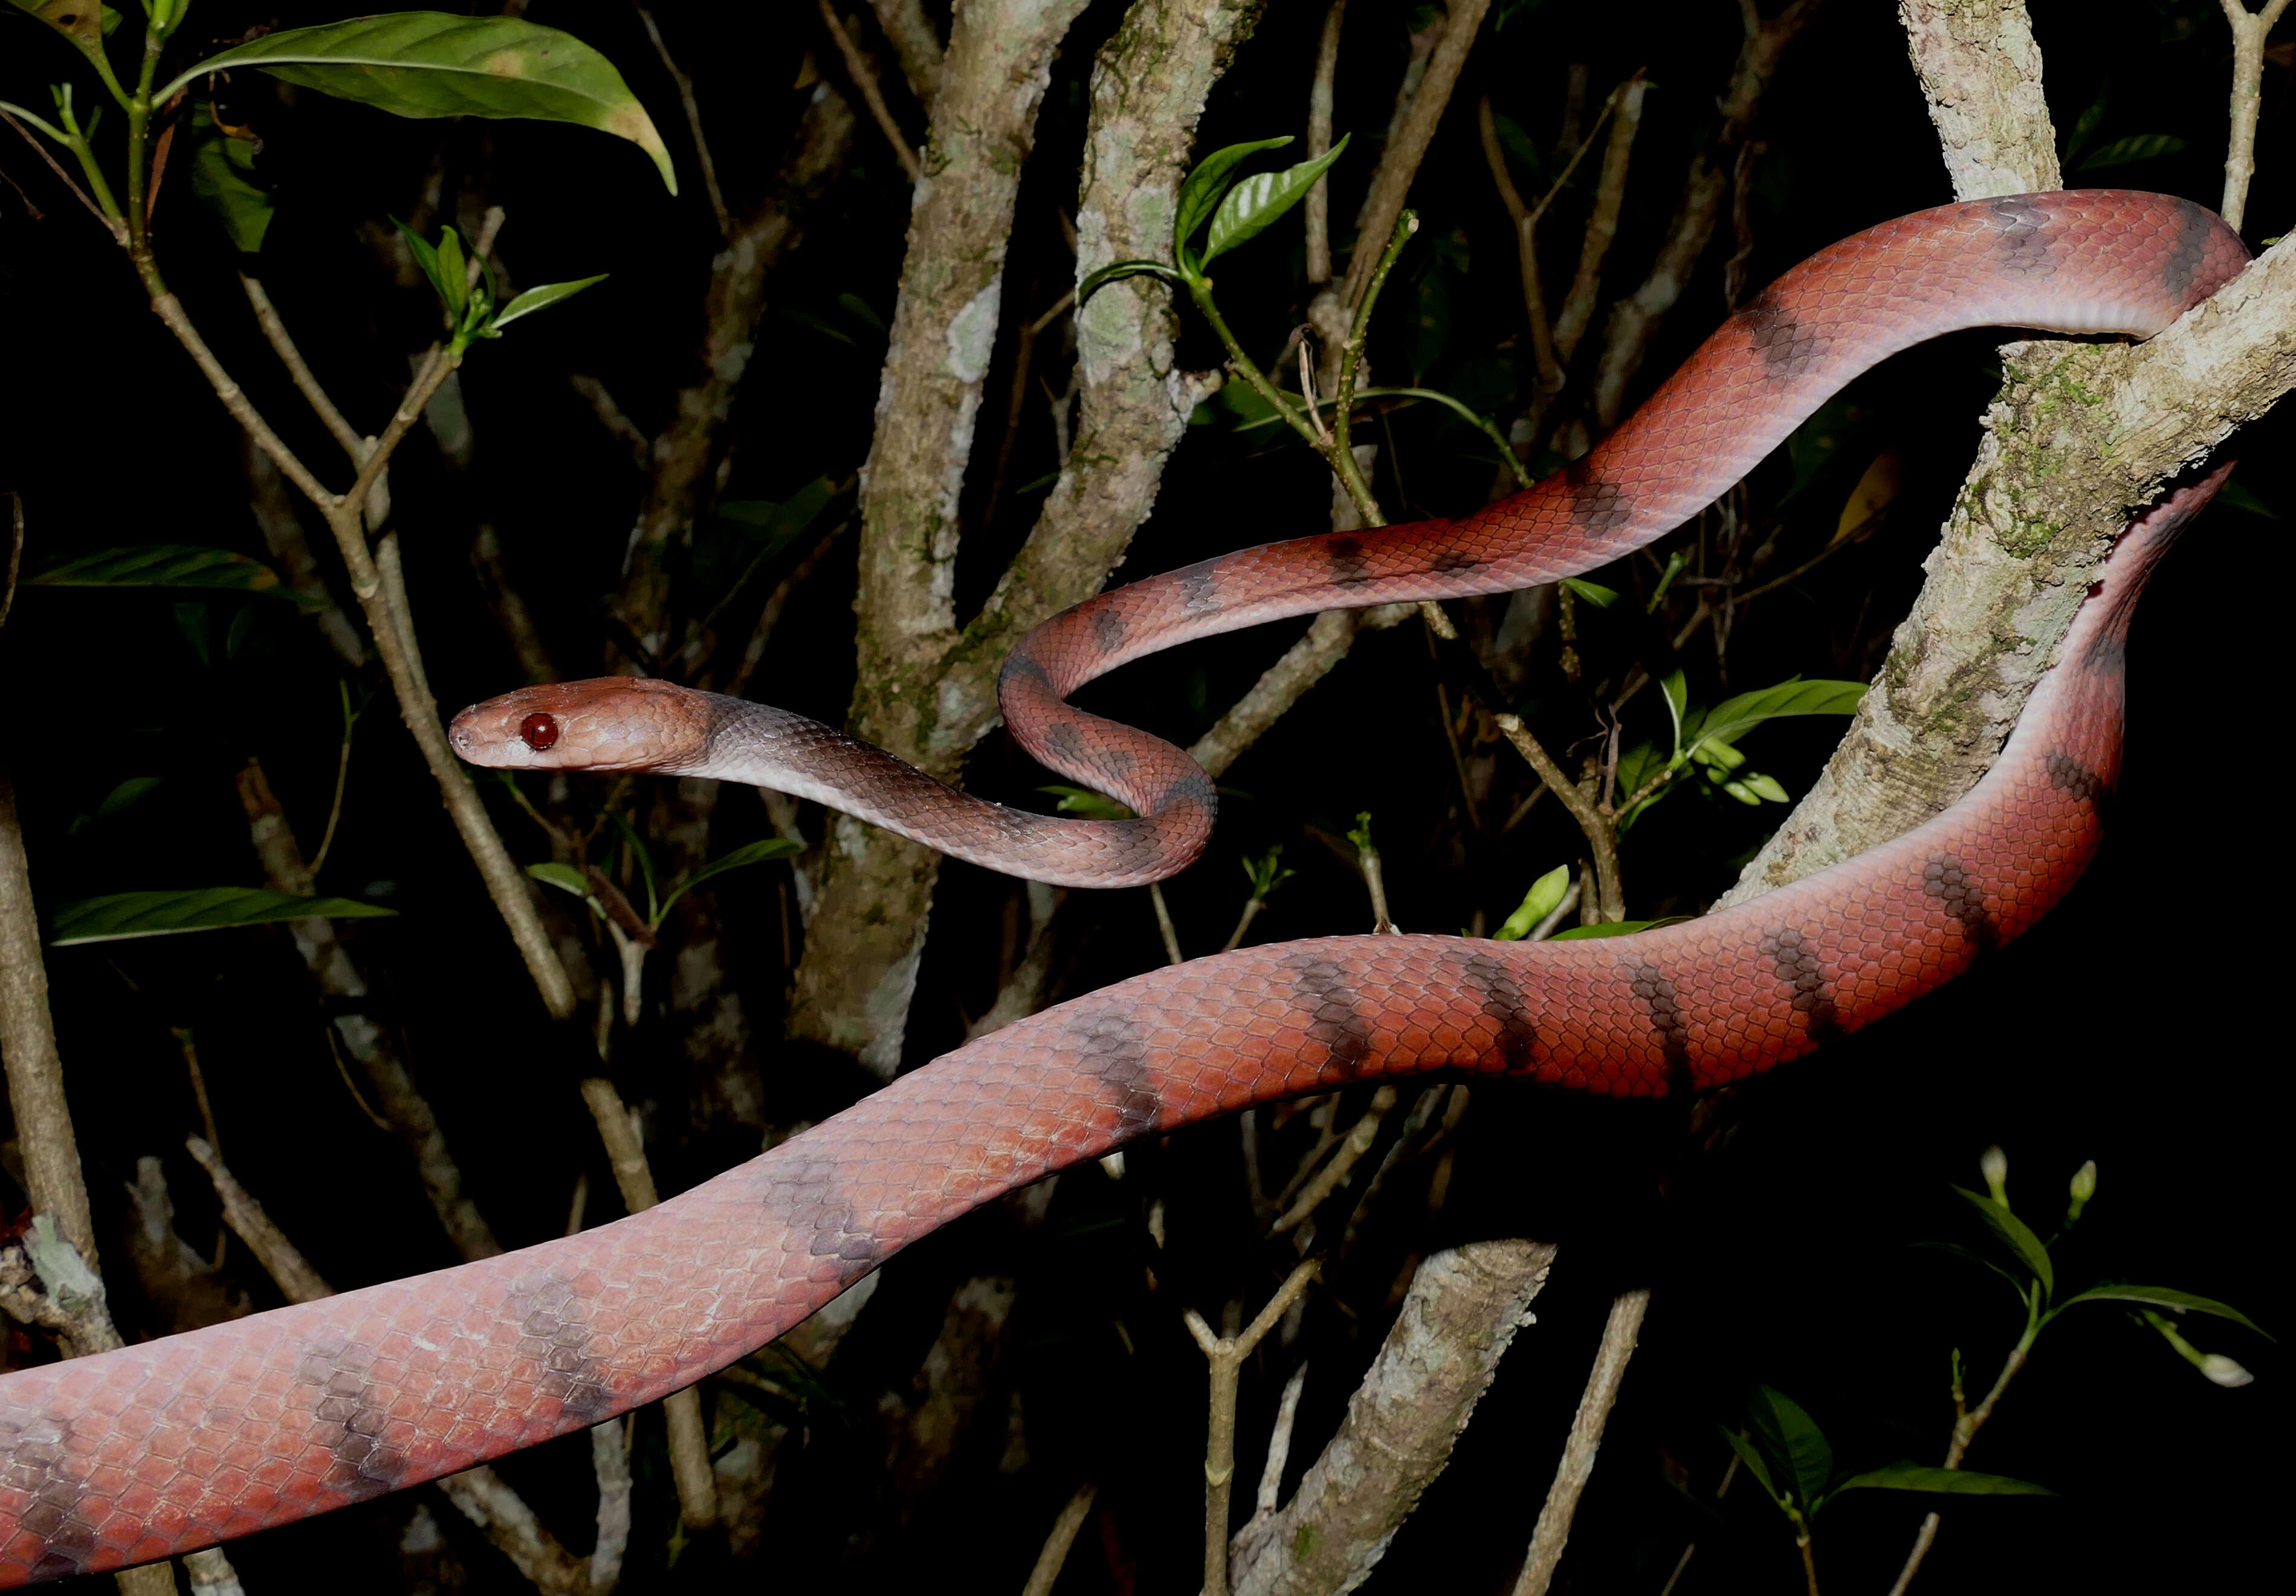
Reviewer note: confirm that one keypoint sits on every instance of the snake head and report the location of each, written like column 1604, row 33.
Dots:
column 608, row 723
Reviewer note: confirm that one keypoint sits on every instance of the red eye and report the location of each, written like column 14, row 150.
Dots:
column 538, row 731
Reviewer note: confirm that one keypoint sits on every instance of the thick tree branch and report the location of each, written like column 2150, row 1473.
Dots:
column 928, row 691
column 1980, row 72
column 1459, row 1318
column 2080, row 435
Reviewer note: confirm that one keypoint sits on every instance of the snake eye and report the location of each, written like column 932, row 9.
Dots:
column 538, row 731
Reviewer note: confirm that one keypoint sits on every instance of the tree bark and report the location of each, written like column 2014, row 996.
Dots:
column 2081, row 435
column 928, row 689
column 1460, row 1316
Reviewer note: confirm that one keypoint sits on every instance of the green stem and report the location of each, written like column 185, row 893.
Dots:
column 139, row 133
column 1351, row 352
column 102, row 65
column 1199, row 290
column 1338, row 453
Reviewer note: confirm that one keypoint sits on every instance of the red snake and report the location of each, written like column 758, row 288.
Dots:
column 180, row 1443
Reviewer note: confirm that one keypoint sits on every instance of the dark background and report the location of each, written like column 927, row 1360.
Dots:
column 2139, row 1025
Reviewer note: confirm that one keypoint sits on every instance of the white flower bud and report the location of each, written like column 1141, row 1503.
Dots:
column 2084, row 1187
column 2224, row 1372
column 1994, row 1164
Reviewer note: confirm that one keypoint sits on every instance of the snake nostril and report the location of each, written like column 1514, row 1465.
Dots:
column 538, row 731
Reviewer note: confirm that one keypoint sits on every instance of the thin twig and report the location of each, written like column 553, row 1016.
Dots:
column 118, row 231
column 677, row 74
column 1279, row 1446
column 1047, row 1571
column 1164, row 925
column 864, row 78
column 281, row 1259
column 1577, row 1465
column 1226, row 1355
column 1352, row 1148
column 1317, row 209
column 1392, row 182
column 1599, row 829
column 1626, row 108
column 611, row 416
column 689, row 1441
column 283, row 343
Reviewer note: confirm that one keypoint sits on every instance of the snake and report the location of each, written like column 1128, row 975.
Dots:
column 189, row 1440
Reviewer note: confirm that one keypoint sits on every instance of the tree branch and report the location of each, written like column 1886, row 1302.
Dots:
column 929, row 693
column 1980, row 73
column 1460, row 1316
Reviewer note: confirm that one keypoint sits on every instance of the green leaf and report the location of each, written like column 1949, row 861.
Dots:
column 2234, row 497
column 167, row 565
column 120, row 915
column 82, row 21
column 1676, row 692
column 749, row 853
column 2137, row 147
column 541, row 299
column 1751, row 1456
column 1943, row 1482
column 1538, row 904
column 133, row 791
column 1202, row 192
column 566, row 877
column 637, row 848
column 224, row 180
column 1110, row 272
column 1083, row 800
column 1593, row 593
column 1793, row 1440
column 1259, row 200
column 1813, row 445
column 429, row 63
column 2017, row 1236
column 2085, row 129
column 2161, row 1297
column 426, row 259
column 452, row 279
column 1616, row 927
column 1733, row 718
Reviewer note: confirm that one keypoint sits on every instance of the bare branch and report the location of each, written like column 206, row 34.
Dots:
column 1318, row 207
column 864, row 73
column 1460, row 1316
column 1988, row 621
column 1577, row 1466
column 1148, row 89
column 1407, row 145
column 1226, row 1355
column 1635, row 320
column 911, row 34
column 274, row 330
column 405, row 1111
column 685, row 97
column 2248, row 30
column 53, row 1182
column 288, row 1270
column 1047, row 1571
column 1980, row 72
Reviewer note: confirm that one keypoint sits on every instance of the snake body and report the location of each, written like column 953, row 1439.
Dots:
column 177, row 1443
